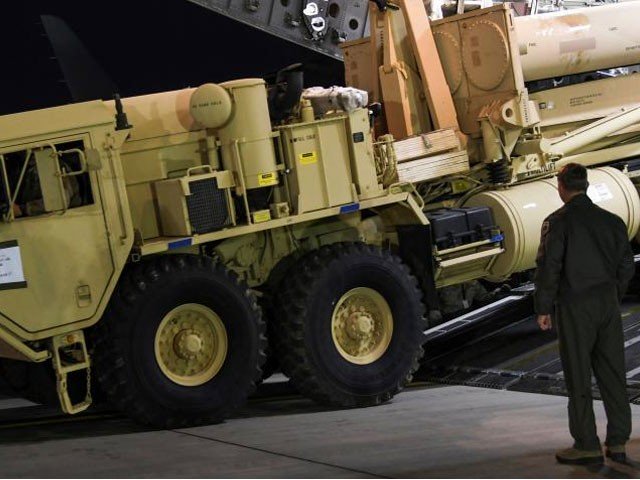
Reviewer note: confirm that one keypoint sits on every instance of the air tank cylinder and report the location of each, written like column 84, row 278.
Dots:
column 578, row 40
column 159, row 114
column 519, row 212
column 239, row 114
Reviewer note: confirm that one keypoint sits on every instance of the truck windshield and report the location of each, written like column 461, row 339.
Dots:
column 21, row 193
column 19, row 170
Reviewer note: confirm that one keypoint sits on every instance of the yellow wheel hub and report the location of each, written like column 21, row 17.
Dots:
column 191, row 344
column 362, row 326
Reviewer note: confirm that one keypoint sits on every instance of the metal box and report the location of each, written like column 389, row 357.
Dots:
column 194, row 204
column 318, row 156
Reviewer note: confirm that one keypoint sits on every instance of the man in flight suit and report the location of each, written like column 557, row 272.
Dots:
column 584, row 265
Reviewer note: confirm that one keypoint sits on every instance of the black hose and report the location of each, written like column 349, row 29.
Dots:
column 285, row 94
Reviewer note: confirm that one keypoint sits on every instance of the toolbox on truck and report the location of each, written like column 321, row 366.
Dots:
column 452, row 227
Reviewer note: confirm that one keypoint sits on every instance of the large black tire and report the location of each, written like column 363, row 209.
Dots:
column 125, row 359
column 270, row 310
column 304, row 344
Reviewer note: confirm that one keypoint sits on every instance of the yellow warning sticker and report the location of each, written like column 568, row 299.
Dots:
column 308, row 158
column 459, row 186
column 266, row 179
column 261, row 216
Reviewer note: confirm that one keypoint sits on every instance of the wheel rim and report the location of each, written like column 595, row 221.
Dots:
column 191, row 344
column 362, row 326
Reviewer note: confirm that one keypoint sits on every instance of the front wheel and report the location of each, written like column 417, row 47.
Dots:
column 350, row 325
column 182, row 342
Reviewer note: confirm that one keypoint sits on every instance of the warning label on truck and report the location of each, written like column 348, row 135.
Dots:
column 11, row 272
column 584, row 99
column 599, row 192
column 308, row 158
column 266, row 179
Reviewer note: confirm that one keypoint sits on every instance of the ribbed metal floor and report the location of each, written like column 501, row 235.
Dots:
column 501, row 347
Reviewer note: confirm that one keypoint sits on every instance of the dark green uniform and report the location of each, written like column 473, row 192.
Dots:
column 584, row 266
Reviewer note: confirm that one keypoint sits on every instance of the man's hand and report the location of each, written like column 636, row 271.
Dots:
column 544, row 321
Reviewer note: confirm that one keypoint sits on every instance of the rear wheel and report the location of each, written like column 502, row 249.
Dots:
column 350, row 329
column 182, row 342
column 270, row 310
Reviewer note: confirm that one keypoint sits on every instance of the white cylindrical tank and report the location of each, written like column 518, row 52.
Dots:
column 248, row 133
column 159, row 114
column 520, row 211
column 578, row 40
column 238, row 113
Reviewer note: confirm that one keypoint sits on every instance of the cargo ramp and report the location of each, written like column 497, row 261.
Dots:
column 500, row 346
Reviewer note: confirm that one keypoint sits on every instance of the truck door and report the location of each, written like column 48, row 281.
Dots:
column 55, row 256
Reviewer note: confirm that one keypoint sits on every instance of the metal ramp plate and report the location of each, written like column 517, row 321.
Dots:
column 504, row 349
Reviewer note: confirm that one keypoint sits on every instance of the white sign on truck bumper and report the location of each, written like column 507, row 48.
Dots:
column 11, row 272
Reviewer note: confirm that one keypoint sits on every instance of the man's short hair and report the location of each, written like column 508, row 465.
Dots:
column 573, row 177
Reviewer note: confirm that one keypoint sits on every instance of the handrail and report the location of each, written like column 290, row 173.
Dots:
column 116, row 188
column 83, row 162
column 12, row 196
column 240, row 170
column 207, row 168
column 9, row 216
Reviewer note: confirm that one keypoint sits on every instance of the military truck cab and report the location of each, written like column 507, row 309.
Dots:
column 66, row 231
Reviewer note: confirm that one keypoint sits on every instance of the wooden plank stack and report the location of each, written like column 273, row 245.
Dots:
column 429, row 156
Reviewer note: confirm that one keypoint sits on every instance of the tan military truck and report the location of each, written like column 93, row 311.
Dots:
column 157, row 247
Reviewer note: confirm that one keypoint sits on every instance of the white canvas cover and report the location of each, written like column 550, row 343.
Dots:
column 325, row 100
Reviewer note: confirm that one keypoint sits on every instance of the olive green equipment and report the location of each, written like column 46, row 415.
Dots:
column 161, row 247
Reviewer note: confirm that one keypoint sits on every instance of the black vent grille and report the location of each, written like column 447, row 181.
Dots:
column 207, row 206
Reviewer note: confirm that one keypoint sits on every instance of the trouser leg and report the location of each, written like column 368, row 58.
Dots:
column 576, row 341
column 609, row 369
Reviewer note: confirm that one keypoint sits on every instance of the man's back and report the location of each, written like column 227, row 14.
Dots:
column 594, row 245
column 594, row 248
column 584, row 264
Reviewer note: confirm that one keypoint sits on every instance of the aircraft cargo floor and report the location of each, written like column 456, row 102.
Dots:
column 505, row 349
column 431, row 431
column 481, row 408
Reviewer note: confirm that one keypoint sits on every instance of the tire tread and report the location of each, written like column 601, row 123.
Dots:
column 293, row 303
column 110, row 337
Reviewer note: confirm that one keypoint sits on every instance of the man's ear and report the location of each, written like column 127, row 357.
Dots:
column 561, row 190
